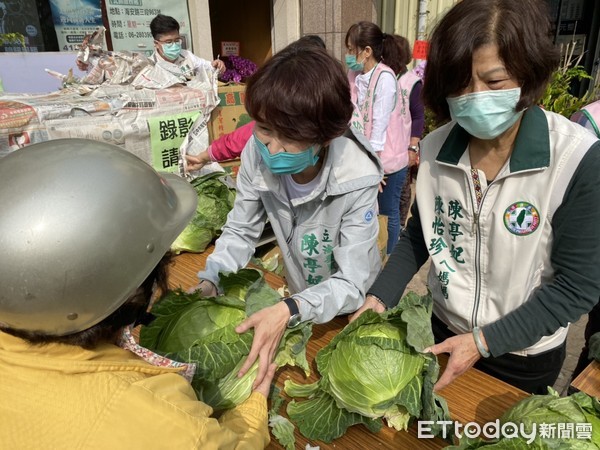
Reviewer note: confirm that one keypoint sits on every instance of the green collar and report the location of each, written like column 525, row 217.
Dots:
column 532, row 145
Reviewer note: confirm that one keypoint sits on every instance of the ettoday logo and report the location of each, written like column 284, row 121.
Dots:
column 507, row 430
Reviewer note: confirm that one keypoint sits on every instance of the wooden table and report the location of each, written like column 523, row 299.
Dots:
column 474, row 397
column 588, row 381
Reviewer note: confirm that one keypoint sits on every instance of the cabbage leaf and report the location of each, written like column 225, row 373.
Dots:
column 215, row 200
column 551, row 412
column 372, row 370
column 193, row 329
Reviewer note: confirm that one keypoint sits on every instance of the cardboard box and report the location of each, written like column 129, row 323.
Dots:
column 231, row 113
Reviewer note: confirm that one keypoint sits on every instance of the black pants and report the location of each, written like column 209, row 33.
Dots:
column 531, row 374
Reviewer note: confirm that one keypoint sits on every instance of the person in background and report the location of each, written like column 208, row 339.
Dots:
column 378, row 111
column 316, row 182
column 589, row 118
column 230, row 145
column 413, row 113
column 504, row 201
column 87, row 256
column 168, row 53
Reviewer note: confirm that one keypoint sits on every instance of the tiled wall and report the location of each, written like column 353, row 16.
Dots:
column 330, row 19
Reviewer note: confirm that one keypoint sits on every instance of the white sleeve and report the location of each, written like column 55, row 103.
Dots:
column 200, row 63
column 385, row 100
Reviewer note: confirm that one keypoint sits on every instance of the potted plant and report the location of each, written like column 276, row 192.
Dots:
column 558, row 97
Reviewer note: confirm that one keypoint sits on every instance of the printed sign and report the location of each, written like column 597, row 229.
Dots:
column 166, row 136
column 73, row 20
column 129, row 23
column 229, row 48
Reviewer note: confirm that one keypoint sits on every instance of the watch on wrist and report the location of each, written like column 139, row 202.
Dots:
column 295, row 316
column 413, row 148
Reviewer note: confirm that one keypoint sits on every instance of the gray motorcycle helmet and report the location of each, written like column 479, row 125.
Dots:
column 82, row 224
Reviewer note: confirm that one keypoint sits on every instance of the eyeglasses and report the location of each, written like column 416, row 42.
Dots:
column 171, row 41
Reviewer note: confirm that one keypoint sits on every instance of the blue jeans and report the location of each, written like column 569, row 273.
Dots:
column 389, row 205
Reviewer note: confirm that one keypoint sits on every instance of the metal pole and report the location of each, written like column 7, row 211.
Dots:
column 422, row 20
column 422, row 24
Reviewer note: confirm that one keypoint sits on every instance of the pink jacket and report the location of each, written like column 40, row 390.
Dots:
column 394, row 156
column 230, row 145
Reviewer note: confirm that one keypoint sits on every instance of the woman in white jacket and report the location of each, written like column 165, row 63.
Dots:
column 507, row 201
column 316, row 183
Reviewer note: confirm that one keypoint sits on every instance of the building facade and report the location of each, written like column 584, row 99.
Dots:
column 258, row 28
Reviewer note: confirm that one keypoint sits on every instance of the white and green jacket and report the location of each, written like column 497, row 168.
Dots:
column 328, row 239
column 522, row 261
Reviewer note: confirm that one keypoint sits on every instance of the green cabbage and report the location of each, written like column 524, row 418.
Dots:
column 545, row 412
column 215, row 200
column 180, row 332
column 372, row 370
column 228, row 391
column 390, row 372
column 189, row 328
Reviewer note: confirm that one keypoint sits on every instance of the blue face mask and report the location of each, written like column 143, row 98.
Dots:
column 172, row 50
column 352, row 64
column 487, row 114
column 284, row 163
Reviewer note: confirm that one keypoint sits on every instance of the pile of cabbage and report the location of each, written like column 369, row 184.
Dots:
column 373, row 369
column 192, row 329
column 216, row 194
column 545, row 422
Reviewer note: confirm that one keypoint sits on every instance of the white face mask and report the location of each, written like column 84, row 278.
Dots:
column 487, row 114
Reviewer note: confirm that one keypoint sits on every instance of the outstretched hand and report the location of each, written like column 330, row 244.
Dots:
column 269, row 325
column 219, row 65
column 413, row 159
column 463, row 355
column 265, row 386
column 197, row 162
column 206, row 288
column 370, row 303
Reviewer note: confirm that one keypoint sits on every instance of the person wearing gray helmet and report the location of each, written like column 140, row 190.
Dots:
column 85, row 233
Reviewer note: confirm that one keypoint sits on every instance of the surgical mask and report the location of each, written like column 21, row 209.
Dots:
column 284, row 163
column 353, row 64
column 487, row 114
column 172, row 50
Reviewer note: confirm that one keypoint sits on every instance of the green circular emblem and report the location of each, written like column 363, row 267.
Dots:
column 521, row 218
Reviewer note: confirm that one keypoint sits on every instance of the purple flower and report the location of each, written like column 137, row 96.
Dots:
column 237, row 69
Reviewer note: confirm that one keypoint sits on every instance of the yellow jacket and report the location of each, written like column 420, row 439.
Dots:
column 63, row 397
